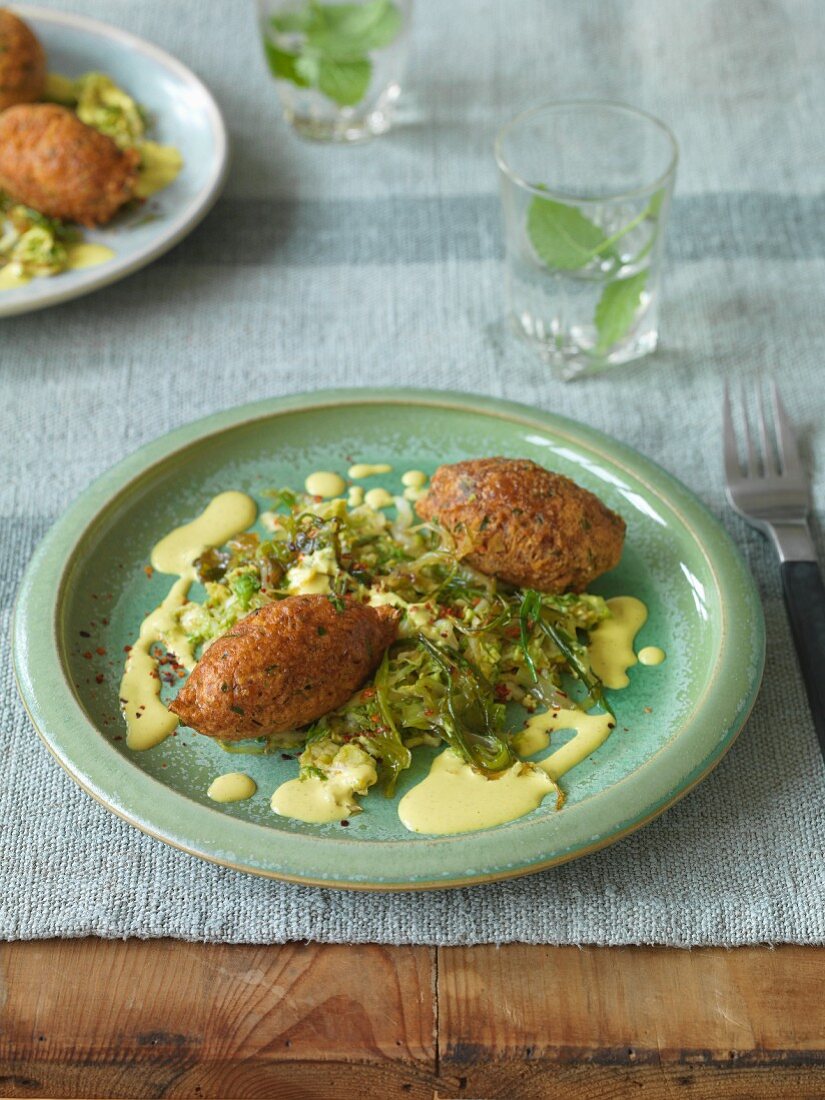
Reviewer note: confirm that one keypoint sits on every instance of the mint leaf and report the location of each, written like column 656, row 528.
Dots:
column 348, row 30
column 561, row 235
column 337, row 39
column 285, row 66
column 344, row 82
column 308, row 68
column 297, row 21
column 616, row 309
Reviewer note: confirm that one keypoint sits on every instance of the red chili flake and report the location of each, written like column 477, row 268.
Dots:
column 101, row 651
column 117, row 738
column 368, row 693
column 84, row 634
column 148, row 570
column 88, row 655
column 181, row 673
column 502, row 691
column 105, row 622
column 99, row 678
column 127, row 649
column 345, row 823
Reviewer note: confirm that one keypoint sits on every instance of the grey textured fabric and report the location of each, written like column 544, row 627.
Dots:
column 329, row 266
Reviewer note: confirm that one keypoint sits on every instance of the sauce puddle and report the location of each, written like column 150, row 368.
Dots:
column 611, row 643
column 148, row 722
column 232, row 787
column 454, row 798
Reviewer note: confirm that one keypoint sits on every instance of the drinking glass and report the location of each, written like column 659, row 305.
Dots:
column 338, row 67
column 586, row 189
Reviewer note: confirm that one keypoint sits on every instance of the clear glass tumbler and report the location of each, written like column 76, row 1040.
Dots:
column 338, row 67
column 586, row 189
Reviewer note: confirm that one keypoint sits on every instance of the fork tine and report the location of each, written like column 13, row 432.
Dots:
column 786, row 439
column 751, row 469
column 733, row 470
column 770, row 466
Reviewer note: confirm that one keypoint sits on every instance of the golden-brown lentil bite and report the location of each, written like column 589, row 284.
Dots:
column 22, row 62
column 281, row 667
column 58, row 165
column 512, row 519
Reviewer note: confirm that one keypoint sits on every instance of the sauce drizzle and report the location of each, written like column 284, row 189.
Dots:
column 378, row 498
column 324, row 483
column 611, row 643
column 454, row 798
column 592, row 730
column 232, row 787
column 366, row 469
column 148, row 722
column 651, row 655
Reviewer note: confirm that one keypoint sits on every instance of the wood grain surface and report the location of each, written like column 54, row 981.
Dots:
column 93, row 1018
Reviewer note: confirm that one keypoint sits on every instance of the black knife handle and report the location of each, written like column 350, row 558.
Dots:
column 805, row 600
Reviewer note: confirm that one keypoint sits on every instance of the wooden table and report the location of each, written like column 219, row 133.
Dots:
column 93, row 1018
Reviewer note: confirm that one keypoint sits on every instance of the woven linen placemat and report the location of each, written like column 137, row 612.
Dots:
column 382, row 264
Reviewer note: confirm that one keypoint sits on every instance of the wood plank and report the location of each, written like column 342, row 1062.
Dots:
column 97, row 1018
column 520, row 1021
column 161, row 1018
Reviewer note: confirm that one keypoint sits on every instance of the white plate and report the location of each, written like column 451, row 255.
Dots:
column 185, row 115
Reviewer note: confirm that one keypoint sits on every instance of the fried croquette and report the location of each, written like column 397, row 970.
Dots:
column 22, row 62
column 512, row 519
column 283, row 666
column 53, row 162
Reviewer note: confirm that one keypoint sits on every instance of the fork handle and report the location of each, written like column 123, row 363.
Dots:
column 805, row 600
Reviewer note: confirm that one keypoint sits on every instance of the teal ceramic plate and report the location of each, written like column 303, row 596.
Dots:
column 86, row 591
column 184, row 114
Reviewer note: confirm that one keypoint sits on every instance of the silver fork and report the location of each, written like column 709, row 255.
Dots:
column 770, row 491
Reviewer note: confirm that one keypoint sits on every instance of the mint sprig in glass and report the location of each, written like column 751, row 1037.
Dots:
column 586, row 190
column 338, row 66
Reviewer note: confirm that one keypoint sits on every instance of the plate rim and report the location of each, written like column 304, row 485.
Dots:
column 70, row 529
column 194, row 211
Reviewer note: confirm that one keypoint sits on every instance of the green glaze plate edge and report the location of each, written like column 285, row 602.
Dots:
column 419, row 863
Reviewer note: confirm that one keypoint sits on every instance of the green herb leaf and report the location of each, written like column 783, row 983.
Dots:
column 337, row 39
column 617, row 308
column 344, row 82
column 285, row 66
column 347, row 31
column 561, row 235
column 297, row 21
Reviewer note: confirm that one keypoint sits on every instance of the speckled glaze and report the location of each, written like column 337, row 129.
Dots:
column 674, row 722
column 185, row 115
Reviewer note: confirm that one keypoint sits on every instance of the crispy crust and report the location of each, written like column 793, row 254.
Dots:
column 22, row 62
column 512, row 519
column 55, row 163
column 282, row 667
